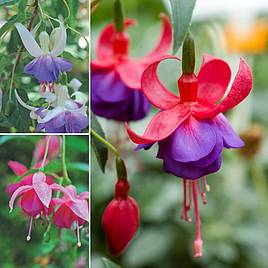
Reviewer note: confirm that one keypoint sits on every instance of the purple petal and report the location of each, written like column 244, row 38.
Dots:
column 230, row 138
column 190, row 171
column 193, row 140
column 75, row 122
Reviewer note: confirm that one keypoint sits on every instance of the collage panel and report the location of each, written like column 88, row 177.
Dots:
column 44, row 66
column 44, row 215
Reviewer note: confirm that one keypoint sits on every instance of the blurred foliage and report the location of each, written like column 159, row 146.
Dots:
column 235, row 221
column 17, row 120
column 61, row 250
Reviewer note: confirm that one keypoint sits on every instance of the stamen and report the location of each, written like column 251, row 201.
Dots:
column 198, row 241
column 43, row 87
column 186, row 208
column 28, row 238
column 78, row 235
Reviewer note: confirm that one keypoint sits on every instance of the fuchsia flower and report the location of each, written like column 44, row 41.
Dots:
column 35, row 197
column 53, row 148
column 191, row 130
column 73, row 211
column 120, row 220
column 116, row 77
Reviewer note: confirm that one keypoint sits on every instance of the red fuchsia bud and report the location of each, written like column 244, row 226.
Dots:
column 120, row 220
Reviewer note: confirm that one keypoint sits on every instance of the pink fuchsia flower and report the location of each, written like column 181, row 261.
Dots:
column 120, row 220
column 53, row 148
column 72, row 211
column 19, row 170
column 191, row 130
column 47, row 65
column 116, row 77
column 35, row 198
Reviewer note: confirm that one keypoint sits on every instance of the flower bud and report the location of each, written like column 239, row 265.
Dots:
column 120, row 220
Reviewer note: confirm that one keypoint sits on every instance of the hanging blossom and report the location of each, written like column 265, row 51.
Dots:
column 115, row 76
column 35, row 198
column 191, row 130
column 53, row 148
column 120, row 220
column 47, row 65
column 60, row 113
column 72, row 210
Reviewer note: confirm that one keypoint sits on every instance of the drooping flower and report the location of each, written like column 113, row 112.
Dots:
column 61, row 113
column 115, row 76
column 73, row 211
column 35, row 197
column 53, row 148
column 120, row 220
column 47, row 64
column 191, row 130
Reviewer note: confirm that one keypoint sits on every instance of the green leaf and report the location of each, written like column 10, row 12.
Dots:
column 109, row 264
column 8, row 2
column 100, row 150
column 8, row 25
column 181, row 14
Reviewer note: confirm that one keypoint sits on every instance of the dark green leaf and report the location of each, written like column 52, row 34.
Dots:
column 181, row 14
column 8, row 25
column 110, row 264
column 100, row 150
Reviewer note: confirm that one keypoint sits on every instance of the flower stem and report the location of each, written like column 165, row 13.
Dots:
column 19, row 53
column 46, row 152
column 118, row 16
column 105, row 142
column 66, row 178
column 68, row 10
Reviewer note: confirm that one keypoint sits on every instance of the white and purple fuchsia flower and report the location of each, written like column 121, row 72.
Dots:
column 47, row 65
column 61, row 114
column 191, row 130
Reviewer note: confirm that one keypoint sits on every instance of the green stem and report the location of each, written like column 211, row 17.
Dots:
column 119, row 16
column 46, row 152
column 66, row 178
column 105, row 142
column 68, row 10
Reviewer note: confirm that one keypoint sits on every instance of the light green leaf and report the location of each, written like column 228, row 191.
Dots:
column 181, row 14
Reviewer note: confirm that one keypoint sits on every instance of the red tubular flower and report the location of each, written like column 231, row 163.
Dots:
column 120, row 220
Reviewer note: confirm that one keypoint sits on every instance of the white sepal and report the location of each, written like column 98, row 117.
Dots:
column 28, row 41
column 58, row 38
column 23, row 104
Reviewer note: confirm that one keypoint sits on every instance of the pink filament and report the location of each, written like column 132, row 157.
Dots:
column 186, row 207
column 198, row 241
column 28, row 238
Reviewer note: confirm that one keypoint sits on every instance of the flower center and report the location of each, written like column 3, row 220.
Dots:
column 188, row 87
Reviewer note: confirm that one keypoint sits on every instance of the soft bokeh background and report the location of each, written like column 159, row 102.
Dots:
column 61, row 250
column 235, row 220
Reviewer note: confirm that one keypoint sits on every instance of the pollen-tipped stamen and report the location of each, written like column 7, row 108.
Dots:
column 28, row 238
column 202, row 192
column 198, row 243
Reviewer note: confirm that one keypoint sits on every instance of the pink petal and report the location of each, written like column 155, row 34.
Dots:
column 57, row 201
column 61, row 189
column 80, row 208
column 18, row 168
column 104, row 48
column 154, row 90
column 64, row 217
column 39, row 177
column 213, row 79
column 130, row 72
column 84, row 195
column 18, row 192
column 161, row 126
column 240, row 89
column 44, row 192
column 165, row 40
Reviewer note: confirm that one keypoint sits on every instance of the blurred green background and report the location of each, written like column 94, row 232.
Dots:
column 235, row 220
column 61, row 250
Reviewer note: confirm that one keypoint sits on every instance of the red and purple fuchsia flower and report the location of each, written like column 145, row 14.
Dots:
column 190, row 129
column 116, row 77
